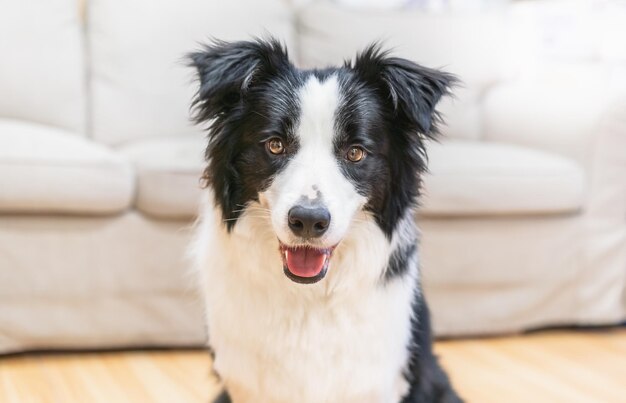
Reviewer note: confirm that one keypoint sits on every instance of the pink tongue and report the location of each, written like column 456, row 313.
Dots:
column 305, row 262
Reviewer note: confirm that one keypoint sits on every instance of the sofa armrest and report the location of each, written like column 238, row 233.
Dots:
column 584, row 119
column 565, row 114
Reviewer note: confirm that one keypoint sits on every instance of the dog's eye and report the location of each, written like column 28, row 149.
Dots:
column 275, row 146
column 355, row 154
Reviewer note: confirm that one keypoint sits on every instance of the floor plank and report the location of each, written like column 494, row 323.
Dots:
column 550, row 367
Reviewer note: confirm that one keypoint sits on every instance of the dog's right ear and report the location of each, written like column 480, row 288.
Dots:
column 226, row 70
column 412, row 90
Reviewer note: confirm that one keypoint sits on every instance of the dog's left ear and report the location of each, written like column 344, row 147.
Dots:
column 227, row 70
column 413, row 90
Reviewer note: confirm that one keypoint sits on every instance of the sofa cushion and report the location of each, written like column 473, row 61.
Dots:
column 42, row 68
column 48, row 170
column 480, row 178
column 168, row 172
column 141, row 84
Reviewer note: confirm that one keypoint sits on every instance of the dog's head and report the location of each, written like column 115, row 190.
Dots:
column 314, row 149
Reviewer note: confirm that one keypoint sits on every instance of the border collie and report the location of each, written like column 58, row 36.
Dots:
column 307, row 242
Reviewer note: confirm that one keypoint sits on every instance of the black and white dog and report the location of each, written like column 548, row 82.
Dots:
column 307, row 245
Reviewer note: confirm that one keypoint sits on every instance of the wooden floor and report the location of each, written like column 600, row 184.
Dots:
column 585, row 367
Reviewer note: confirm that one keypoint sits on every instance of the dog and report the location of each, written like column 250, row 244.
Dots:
column 307, row 243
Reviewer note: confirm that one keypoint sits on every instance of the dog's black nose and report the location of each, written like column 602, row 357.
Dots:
column 308, row 222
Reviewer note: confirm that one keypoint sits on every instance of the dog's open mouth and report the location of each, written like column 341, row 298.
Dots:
column 305, row 264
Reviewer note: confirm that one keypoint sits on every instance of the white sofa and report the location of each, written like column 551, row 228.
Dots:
column 523, row 216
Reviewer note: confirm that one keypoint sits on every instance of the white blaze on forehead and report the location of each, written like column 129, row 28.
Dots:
column 319, row 101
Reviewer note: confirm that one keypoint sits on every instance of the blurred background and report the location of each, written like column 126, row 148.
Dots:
column 524, row 210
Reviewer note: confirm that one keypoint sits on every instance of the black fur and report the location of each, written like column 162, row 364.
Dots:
column 429, row 383
column 399, row 260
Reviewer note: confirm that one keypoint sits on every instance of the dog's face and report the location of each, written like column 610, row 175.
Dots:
column 314, row 150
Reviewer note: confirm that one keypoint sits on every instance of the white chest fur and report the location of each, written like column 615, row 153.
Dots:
column 341, row 340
